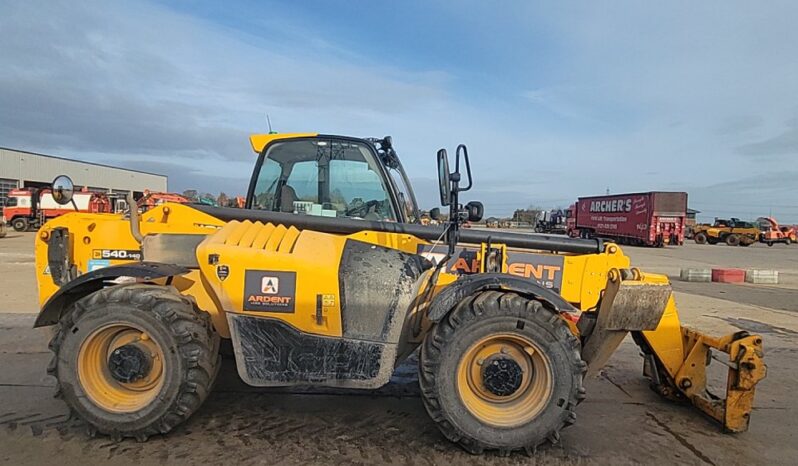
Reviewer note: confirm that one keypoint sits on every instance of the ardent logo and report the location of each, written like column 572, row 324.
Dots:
column 269, row 291
column 276, row 300
column 270, row 285
column 545, row 269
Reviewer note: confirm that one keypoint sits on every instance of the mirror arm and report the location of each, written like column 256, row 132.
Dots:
column 464, row 150
column 453, row 235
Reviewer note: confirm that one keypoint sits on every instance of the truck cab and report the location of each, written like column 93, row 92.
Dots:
column 570, row 220
column 31, row 207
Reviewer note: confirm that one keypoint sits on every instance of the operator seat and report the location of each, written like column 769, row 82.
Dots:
column 287, row 198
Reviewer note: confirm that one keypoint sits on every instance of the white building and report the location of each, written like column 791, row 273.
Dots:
column 21, row 169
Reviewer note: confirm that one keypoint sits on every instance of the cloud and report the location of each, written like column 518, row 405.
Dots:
column 144, row 79
column 784, row 143
column 749, row 197
column 557, row 101
column 554, row 103
column 740, row 124
column 181, row 178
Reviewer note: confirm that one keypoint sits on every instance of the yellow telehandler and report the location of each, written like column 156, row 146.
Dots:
column 328, row 278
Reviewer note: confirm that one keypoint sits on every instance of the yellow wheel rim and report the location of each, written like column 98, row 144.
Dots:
column 100, row 385
column 513, row 402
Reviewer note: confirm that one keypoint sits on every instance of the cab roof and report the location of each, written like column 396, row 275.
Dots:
column 259, row 141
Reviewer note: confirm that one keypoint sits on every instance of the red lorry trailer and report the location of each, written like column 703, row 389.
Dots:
column 647, row 219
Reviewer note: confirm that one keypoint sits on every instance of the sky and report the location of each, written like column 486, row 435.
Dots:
column 555, row 100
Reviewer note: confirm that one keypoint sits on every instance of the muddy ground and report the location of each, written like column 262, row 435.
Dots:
column 621, row 421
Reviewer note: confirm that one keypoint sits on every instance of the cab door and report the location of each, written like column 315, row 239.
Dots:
column 308, row 306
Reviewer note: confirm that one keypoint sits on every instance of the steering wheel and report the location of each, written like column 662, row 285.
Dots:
column 361, row 210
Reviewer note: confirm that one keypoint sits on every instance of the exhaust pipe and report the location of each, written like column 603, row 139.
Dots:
column 135, row 228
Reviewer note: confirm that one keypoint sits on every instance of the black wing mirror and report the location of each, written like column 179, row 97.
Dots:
column 449, row 184
column 444, row 183
column 63, row 189
column 474, row 211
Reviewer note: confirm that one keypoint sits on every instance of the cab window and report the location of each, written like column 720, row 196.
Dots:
column 11, row 201
column 406, row 202
column 331, row 178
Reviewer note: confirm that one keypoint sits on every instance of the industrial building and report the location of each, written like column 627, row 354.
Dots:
column 21, row 169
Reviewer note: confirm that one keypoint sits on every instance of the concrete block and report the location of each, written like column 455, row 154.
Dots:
column 728, row 275
column 695, row 275
column 769, row 277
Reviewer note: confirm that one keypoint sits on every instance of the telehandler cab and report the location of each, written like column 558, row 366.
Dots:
column 326, row 278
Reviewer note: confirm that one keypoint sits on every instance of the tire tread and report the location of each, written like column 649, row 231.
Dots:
column 470, row 309
column 197, row 346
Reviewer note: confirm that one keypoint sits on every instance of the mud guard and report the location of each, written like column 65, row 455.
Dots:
column 271, row 353
column 467, row 285
column 90, row 282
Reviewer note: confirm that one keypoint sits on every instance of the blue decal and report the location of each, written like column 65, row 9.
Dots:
column 96, row 264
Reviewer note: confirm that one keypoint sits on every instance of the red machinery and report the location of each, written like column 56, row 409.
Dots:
column 151, row 199
column 647, row 219
column 29, row 208
column 773, row 233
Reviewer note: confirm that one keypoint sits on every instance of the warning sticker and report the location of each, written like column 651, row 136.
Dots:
column 222, row 271
column 269, row 291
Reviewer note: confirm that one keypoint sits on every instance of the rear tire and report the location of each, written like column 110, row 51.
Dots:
column 733, row 240
column 180, row 359
column 467, row 408
column 700, row 238
column 20, row 224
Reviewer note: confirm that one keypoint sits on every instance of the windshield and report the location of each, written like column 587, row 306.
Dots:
column 326, row 177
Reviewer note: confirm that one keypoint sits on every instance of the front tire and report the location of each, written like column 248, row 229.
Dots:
column 134, row 360
column 501, row 372
column 733, row 240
